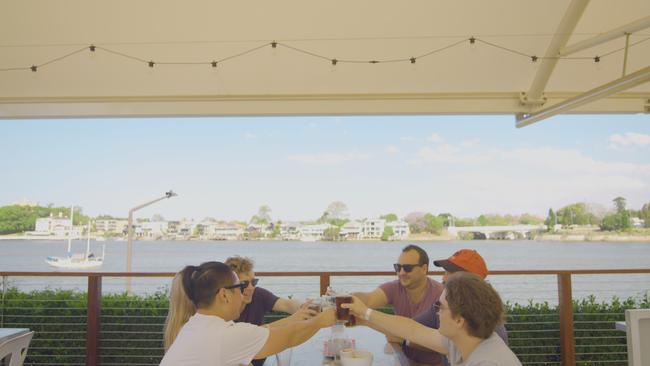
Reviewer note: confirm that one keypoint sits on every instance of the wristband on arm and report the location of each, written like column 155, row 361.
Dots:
column 366, row 316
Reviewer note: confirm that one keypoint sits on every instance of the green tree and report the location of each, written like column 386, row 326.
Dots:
column 332, row 233
column 447, row 219
column 388, row 233
column 551, row 220
column 336, row 214
column 576, row 214
column 619, row 220
column 619, row 203
column 644, row 214
column 434, row 224
column 19, row 218
column 263, row 216
column 389, row 217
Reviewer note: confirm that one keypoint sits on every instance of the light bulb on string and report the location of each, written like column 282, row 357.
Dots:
column 597, row 62
column 413, row 64
column 214, row 67
column 534, row 61
column 150, row 67
column 333, row 64
column 274, row 48
column 472, row 45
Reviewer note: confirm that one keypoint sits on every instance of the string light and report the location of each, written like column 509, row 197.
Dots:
column 334, row 61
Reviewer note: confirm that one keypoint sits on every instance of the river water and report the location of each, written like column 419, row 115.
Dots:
column 169, row 256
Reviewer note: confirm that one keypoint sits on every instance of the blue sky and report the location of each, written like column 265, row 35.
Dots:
column 227, row 167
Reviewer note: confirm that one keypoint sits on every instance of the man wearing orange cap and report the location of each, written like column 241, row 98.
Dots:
column 464, row 260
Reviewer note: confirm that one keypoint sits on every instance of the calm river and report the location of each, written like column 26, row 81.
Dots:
column 168, row 256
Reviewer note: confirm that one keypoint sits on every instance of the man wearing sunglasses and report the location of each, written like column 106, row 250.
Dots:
column 411, row 294
column 258, row 301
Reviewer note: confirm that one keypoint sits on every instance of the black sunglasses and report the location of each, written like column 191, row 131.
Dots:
column 407, row 267
column 254, row 281
column 242, row 286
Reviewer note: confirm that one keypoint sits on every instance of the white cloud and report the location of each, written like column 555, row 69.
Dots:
column 249, row 136
column 328, row 158
column 435, row 138
column 470, row 143
column 447, row 154
column 628, row 139
column 392, row 149
column 407, row 139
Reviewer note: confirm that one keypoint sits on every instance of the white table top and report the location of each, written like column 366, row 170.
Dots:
column 384, row 354
column 8, row 333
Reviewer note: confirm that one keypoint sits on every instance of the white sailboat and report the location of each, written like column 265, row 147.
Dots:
column 80, row 260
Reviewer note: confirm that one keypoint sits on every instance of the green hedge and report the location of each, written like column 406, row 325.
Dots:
column 132, row 328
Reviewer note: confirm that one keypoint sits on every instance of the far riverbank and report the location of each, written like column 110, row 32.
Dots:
column 554, row 237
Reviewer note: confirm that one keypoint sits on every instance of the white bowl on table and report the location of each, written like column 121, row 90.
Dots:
column 354, row 357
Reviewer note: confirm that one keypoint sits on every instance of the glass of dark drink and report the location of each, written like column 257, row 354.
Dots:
column 343, row 314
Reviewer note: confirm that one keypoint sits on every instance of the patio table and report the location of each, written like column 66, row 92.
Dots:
column 384, row 354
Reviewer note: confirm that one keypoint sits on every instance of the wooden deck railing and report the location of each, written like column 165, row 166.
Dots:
column 564, row 286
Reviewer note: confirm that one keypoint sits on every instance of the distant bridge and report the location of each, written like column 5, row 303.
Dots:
column 498, row 232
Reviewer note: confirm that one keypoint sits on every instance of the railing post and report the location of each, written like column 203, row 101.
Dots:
column 565, row 302
column 324, row 283
column 93, row 323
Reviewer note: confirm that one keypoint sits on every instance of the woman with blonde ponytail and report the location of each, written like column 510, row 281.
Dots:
column 180, row 311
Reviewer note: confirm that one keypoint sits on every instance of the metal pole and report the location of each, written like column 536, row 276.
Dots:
column 627, row 47
column 129, row 245
column 93, row 320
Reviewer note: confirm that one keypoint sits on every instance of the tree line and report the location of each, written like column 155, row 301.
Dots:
column 618, row 219
column 20, row 218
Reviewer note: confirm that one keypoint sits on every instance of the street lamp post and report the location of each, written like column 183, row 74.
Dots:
column 129, row 245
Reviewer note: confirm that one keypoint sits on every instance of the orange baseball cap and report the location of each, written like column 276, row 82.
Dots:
column 467, row 260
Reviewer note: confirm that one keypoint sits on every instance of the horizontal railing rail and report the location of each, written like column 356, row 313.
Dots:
column 563, row 322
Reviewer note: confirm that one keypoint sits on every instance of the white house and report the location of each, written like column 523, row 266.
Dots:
column 224, row 231
column 313, row 231
column 400, row 229
column 373, row 228
column 351, row 230
column 111, row 226
column 57, row 226
column 154, row 229
column 289, row 230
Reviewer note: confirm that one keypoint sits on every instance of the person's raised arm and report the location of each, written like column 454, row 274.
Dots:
column 295, row 333
column 286, row 305
column 374, row 299
column 304, row 313
column 400, row 326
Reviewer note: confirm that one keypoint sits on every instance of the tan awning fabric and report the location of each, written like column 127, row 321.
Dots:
column 478, row 78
